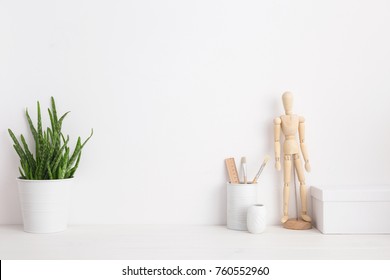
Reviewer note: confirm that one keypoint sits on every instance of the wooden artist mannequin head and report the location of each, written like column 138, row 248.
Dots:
column 290, row 124
column 288, row 101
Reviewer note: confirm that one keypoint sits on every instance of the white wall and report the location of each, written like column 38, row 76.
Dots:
column 172, row 88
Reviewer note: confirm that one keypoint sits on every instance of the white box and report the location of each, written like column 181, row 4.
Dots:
column 351, row 209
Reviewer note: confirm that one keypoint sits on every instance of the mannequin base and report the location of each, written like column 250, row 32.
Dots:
column 295, row 224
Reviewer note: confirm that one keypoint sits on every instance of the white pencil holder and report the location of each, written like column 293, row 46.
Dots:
column 256, row 218
column 239, row 198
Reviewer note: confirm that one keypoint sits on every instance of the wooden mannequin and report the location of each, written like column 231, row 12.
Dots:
column 290, row 124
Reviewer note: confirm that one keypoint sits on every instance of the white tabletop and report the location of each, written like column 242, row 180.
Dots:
column 187, row 242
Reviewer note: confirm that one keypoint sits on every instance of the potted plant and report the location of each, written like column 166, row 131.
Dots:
column 46, row 173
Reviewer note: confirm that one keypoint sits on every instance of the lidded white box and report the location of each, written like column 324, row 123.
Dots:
column 351, row 209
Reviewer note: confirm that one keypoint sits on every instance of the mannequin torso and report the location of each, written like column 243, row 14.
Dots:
column 289, row 127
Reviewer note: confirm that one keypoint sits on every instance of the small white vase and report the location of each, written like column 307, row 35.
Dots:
column 239, row 198
column 256, row 218
column 45, row 204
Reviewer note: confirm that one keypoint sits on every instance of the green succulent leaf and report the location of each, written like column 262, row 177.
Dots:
column 53, row 158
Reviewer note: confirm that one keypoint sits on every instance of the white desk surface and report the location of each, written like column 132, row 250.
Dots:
column 127, row 242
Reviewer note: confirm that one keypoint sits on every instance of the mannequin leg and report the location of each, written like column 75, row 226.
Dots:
column 301, row 178
column 286, row 189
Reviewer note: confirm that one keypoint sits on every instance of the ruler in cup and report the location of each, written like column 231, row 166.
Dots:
column 232, row 171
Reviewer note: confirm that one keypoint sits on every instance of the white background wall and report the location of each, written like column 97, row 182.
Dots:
column 172, row 88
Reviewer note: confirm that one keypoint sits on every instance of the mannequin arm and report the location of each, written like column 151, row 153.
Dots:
column 277, row 127
column 305, row 154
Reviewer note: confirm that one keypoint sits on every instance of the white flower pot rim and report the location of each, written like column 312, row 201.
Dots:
column 43, row 181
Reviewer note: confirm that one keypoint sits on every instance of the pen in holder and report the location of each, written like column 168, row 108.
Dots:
column 239, row 198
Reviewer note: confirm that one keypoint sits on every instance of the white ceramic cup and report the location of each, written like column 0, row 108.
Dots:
column 239, row 198
column 256, row 218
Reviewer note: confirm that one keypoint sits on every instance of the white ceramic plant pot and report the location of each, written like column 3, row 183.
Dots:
column 239, row 198
column 256, row 218
column 45, row 204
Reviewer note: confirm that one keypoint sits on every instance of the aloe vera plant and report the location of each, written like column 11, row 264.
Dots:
column 53, row 158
